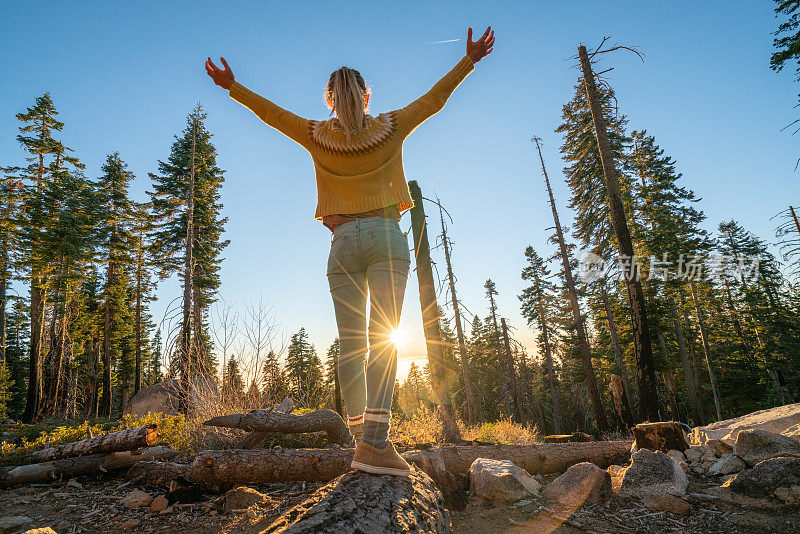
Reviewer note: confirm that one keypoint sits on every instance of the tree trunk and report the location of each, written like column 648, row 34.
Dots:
column 271, row 421
column 359, row 502
column 712, row 375
column 35, row 361
column 260, row 466
column 122, row 440
column 186, row 336
column 612, row 330
column 430, row 314
column 691, row 390
column 583, row 340
column 462, row 346
column 621, row 403
column 511, row 369
column 646, row 378
column 548, row 361
column 94, row 464
column 137, row 325
column 105, row 406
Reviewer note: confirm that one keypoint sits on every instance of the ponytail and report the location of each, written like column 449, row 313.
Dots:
column 346, row 94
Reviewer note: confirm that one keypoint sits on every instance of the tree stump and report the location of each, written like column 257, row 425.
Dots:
column 359, row 502
column 660, row 436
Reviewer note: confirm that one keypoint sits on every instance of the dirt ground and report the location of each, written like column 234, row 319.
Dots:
column 93, row 506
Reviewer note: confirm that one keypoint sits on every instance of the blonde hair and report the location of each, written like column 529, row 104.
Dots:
column 346, row 95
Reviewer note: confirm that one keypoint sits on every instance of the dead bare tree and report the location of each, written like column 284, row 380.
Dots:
column 648, row 393
column 583, row 340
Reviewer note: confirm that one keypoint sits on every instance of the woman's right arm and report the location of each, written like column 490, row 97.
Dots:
column 286, row 122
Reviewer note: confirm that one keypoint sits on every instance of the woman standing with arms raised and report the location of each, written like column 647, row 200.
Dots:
column 361, row 192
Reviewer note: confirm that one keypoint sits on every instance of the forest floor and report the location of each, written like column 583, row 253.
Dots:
column 94, row 506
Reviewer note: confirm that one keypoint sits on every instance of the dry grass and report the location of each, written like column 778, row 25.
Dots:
column 504, row 432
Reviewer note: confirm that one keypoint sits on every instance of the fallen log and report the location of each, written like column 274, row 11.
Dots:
column 80, row 465
column 359, row 502
column 122, row 440
column 536, row 459
column 220, row 468
column 271, row 421
column 156, row 473
column 254, row 439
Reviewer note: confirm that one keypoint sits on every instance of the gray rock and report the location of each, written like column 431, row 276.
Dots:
column 720, row 447
column 772, row 420
column 676, row 455
column 651, row 473
column 14, row 523
column 243, row 497
column 693, row 454
column 137, row 499
column 709, row 456
column 501, row 481
column 665, row 502
column 767, row 476
column 729, row 463
column 582, row 484
column 754, row 446
column 789, row 495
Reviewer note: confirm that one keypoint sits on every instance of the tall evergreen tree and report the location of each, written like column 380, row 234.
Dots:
column 47, row 156
column 178, row 207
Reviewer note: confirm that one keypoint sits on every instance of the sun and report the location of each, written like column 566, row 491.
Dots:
column 399, row 338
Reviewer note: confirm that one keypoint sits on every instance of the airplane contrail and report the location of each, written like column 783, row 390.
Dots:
column 447, row 41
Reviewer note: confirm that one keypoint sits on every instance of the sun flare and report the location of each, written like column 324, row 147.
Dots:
column 399, row 338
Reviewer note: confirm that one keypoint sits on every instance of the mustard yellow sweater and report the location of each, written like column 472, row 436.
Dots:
column 364, row 172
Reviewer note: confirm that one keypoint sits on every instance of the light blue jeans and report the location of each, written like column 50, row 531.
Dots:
column 369, row 259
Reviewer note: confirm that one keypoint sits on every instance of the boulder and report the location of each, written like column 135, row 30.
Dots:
column 161, row 397
column 164, row 397
column 754, row 446
column 767, row 476
column 664, row 502
column 678, row 456
column 719, row 447
column 653, row 472
column 709, row 456
column 14, row 523
column 660, row 436
column 729, row 463
column 243, row 497
column 501, row 481
column 616, row 473
column 137, row 499
column 775, row 420
column 582, row 484
column 792, row 432
column 694, row 453
column 789, row 495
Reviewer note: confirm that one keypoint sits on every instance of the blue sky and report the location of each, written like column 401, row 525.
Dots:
column 125, row 75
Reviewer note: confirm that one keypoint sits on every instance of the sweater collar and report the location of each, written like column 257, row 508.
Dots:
column 330, row 135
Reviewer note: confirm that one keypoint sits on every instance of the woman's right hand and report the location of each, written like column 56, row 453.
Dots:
column 482, row 47
column 223, row 78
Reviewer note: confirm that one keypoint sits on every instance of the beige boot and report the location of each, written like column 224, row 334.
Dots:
column 379, row 461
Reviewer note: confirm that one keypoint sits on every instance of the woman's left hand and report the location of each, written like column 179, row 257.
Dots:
column 223, row 78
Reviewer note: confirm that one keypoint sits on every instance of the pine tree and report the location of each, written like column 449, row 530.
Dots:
column 536, row 301
column 332, row 377
column 118, row 239
column 273, row 380
column 232, row 383
column 47, row 156
column 192, row 160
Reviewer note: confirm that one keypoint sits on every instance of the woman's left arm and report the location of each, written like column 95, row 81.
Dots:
column 286, row 122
